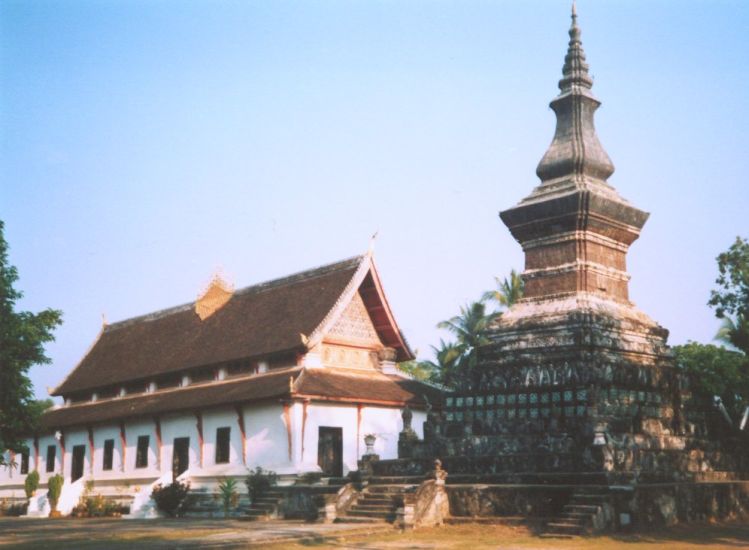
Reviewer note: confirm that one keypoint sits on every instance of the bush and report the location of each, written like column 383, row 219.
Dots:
column 96, row 506
column 227, row 489
column 172, row 498
column 31, row 484
column 259, row 481
column 13, row 510
column 55, row 489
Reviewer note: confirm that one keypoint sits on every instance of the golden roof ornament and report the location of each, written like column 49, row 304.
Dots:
column 214, row 297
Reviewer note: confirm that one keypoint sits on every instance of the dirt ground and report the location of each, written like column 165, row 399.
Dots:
column 276, row 535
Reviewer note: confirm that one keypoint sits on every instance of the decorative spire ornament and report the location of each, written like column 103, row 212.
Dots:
column 575, row 158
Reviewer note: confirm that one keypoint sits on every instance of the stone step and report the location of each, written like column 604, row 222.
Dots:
column 392, row 489
column 358, row 519
column 565, row 528
column 371, row 513
column 584, row 515
column 589, row 508
column 373, row 508
column 376, row 501
column 396, row 480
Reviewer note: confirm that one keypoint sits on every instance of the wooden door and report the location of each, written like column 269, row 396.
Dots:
column 180, row 456
column 330, row 451
column 76, row 469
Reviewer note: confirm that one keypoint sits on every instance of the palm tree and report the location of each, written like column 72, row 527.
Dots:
column 470, row 329
column 735, row 332
column 447, row 365
column 470, row 326
column 508, row 291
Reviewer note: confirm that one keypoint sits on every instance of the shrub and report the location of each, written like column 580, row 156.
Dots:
column 259, row 481
column 97, row 506
column 227, row 489
column 14, row 510
column 171, row 499
column 55, row 488
column 31, row 484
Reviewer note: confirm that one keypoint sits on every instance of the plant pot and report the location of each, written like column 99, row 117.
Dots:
column 55, row 514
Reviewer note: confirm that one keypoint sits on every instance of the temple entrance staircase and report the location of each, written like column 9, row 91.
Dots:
column 585, row 513
column 265, row 507
column 379, row 501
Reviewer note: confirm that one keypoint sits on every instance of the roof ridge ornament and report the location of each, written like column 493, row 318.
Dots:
column 215, row 296
column 575, row 159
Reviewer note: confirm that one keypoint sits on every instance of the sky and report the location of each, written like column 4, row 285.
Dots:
column 146, row 145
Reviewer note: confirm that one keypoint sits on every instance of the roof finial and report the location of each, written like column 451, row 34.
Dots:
column 372, row 240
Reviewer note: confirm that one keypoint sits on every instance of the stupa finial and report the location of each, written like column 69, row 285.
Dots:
column 575, row 70
column 575, row 154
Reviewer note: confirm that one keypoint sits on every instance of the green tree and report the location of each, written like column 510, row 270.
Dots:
column 470, row 329
column 446, row 365
column 735, row 332
column 731, row 298
column 22, row 338
column 419, row 370
column 509, row 290
column 715, row 371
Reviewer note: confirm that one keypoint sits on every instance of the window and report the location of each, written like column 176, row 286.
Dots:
column 223, row 436
column 51, row 451
column 108, row 454
column 141, row 455
column 25, row 462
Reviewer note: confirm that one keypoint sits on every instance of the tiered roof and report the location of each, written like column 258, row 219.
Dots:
column 285, row 317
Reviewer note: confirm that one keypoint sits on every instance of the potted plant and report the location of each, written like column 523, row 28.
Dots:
column 53, row 494
column 31, row 484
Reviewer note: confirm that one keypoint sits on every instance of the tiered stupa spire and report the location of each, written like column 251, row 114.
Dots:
column 574, row 227
column 575, row 157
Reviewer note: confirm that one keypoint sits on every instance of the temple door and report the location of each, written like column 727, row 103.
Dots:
column 330, row 451
column 76, row 469
column 180, row 456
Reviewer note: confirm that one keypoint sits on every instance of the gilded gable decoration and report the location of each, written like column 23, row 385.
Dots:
column 354, row 325
column 218, row 293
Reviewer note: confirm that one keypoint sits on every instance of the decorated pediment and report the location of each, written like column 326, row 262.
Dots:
column 354, row 325
column 218, row 293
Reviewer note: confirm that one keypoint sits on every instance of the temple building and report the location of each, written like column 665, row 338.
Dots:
column 289, row 375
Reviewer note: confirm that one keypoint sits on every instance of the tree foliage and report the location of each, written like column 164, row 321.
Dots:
column 455, row 361
column 731, row 298
column 22, row 338
column 508, row 292
column 716, row 371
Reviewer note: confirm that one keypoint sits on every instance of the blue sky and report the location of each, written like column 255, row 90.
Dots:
column 143, row 145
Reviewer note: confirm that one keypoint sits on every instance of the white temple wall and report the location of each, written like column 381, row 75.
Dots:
column 212, row 421
column 266, row 444
column 75, row 437
column 101, row 434
column 44, row 442
column 267, row 438
column 172, row 427
column 133, row 430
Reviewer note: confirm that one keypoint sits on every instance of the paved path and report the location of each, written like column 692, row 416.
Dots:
column 168, row 533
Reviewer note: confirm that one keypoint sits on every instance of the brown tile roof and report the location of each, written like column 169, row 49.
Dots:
column 325, row 383
column 316, row 384
column 257, row 321
column 274, row 384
